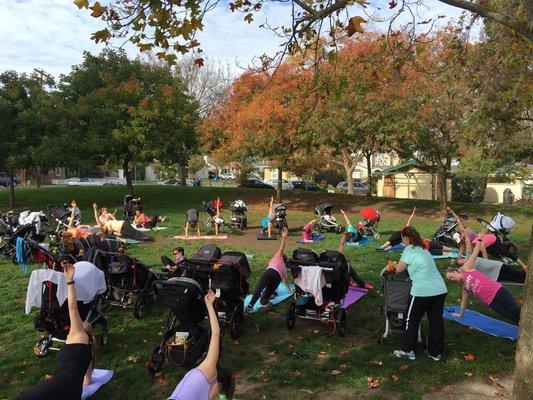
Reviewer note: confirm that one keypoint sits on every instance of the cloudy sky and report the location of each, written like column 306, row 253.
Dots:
column 52, row 34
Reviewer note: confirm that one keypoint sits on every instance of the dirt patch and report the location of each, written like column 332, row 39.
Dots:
column 480, row 389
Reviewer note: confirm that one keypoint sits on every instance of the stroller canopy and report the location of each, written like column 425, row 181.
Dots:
column 502, row 222
column 280, row 207
column 324, row 208
column 238, row 205
column 369, row 213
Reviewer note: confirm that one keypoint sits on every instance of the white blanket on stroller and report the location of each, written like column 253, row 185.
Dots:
column 32, row 218
column 311, row 280
column 88, row 281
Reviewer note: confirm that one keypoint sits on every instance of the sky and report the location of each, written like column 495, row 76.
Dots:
column 52, row 34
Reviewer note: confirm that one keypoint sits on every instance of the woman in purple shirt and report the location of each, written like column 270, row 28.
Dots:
column 206, row 381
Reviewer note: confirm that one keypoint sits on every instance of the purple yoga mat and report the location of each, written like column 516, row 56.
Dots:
column 354, row 294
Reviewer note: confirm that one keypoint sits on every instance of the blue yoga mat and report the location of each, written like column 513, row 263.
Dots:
column 283, row 295
column 361, row 243
column 482, row 323
column 446, row 255
column 394, row 249
column 315, row 237
column 128, row 241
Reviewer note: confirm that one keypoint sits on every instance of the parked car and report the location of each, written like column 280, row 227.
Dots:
column 175, row 182
column 230, row 176
column 4, row 179
column 307, row 186
column 84, row 182
column 256, row 183
column 114, row 181
column 285, row 185
column 358, row 187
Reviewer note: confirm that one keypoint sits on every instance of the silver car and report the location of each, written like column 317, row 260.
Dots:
column 358, row 187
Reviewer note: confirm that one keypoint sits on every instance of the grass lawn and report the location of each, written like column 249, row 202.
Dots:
column 270, row 362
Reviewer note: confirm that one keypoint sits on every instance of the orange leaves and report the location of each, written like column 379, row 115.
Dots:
column 98, row 10
column 469, row 357
column 354, row 25
column 395, row 378
column 199, row 62
column 372, row 383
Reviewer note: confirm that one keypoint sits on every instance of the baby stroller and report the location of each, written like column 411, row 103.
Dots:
column 61, row 214
column 396, row 289
column 53, row 319
column 227, row 275
column 279, row 221
column 210, row 208
column 335, row 272
column 184, row 341
column 445, row 232
column 238, row 214
column 369, row 225
column 501, row 226
column 326, row 222
column 131, row 204
column 8, row 244
column 129, row 282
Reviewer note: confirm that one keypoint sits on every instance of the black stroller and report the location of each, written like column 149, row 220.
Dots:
column 129, row 282
column 326, row 221
column 396, row 289
column 280, row 218
column 61, row 214
column 210, row 209
column 445, row 232
column 227, row 275
column 238, row 214
column 501, row 226
column 336, row 270
column 8, row 244
column 131, row 204
column 184, row 341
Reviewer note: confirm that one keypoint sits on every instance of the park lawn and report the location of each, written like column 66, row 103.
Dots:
column 270, row 361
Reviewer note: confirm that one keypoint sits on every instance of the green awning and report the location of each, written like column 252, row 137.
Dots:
column 396, row 168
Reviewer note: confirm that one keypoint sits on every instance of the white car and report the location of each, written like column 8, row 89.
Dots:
column 114, row 181
column 230, row 176
column 285, row 185
column 84, row 182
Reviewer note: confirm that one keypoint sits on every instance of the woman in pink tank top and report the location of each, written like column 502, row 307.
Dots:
column 488, row 291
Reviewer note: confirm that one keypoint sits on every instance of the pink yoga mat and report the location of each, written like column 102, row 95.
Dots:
column 354, row 294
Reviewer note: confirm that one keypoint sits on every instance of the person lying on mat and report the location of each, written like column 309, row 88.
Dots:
column 275, row 273
column 176, row 267
column 75, row 360
column 73, row 231
column 119, row 228
column 217, row 218
column 307, row 232
column 491, row 243
column 353, row 275
column 191, row 221
column 494, row 269
column 141, row 220
column 207, row 380
column 488, row 291
column 354, row 235
column 266, row 223
column 428, row 292
column 104, row 215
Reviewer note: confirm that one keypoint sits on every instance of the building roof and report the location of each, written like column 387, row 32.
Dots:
column 398, row 167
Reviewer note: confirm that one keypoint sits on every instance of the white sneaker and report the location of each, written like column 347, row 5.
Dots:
column 401, row 353
column 436, row 358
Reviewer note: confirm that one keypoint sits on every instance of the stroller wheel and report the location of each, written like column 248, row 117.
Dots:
column 141, row 308
column 155, row 361
column 236, row 322
column 342, row 323
column 42, row 347
column 291, row 316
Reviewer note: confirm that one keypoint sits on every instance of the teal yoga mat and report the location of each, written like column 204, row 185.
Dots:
column 283, row 294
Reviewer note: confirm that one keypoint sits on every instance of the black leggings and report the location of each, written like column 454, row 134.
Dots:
column 267, row 285
column 510, row 274
column 505, row 305
column 356, row 278
column 151, row 224
column 499, row 250
column 395, row 238
column 129, row 232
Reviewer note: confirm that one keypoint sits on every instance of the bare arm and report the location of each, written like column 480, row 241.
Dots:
column 471, row 262
column 345, row 218
column 411, row 217
column 76, row 333
column 341, row 244
column 284, row 234
column 98, row 222
column 460, row 225
column 209, row 365
column 72, row 215
column 401, row 266
column 270, row 205
column 464, row 303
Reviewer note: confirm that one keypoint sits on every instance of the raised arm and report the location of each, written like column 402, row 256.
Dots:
column 345, row 218
column 460, row 225
column 76, row 333
column 341, row 244
column 271, row 205
column 218, row 206
column 209, row 365
column 411, row 217
column 284, row 234
column 98, row 222
column 471, row 261
column 72, row 214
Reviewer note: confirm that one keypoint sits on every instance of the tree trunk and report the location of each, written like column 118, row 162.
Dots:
column 523, row 371
column 127, row 175
column 349, row 178
column 11, row 190
column 443, row 192
column 38, row 176
column 183, row 175
column 370, row 182
column 279, row 189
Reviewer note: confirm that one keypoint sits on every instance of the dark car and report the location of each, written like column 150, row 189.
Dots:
column 307, row 186
column 256, row 183
column 4, row 179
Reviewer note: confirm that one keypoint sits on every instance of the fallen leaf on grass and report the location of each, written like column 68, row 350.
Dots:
column 308, row 391
column 395, row 378
column 344, row 352
column 161, row 380
column 499, row 393
column 495, row 380
column 468, row 374
column 235, row 343
column 404, row 367
column 132, row 359
column 469, row 357
column 322, row 354
column 48, row 376
column 315, row 331
column 447, row 390
column 272, row 353
column 377, row 362
column 335, row 372
column 238, row 375
column 342, row 366
column 372, row 383
column 265, row 380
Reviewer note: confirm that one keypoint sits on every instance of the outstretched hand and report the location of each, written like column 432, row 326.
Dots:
column 69, row 270
column 342, row 211
column 73, row 203
column 209, row 297
column 95, row 206
column 284, row 232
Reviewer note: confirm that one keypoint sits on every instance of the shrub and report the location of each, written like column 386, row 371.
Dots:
column 469, row 188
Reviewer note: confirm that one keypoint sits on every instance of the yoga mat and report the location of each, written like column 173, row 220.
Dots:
column 394, row 249
column 482, row 323
column 354, row 294
column 99, row 378
column 157, row 228
column 206, row 237
column 264, row 236
column 283, row 295
column 315, row 239
column 127, row 241
column 446, row 255
column 361, row 243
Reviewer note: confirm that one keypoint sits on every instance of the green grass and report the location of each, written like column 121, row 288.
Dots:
column 269, row 360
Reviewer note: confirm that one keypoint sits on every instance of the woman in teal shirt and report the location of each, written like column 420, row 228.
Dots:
column 427, row 296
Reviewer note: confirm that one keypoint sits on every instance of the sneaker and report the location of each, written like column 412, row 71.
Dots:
column 400, row 353
column 436, row 358
column 248, row 309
